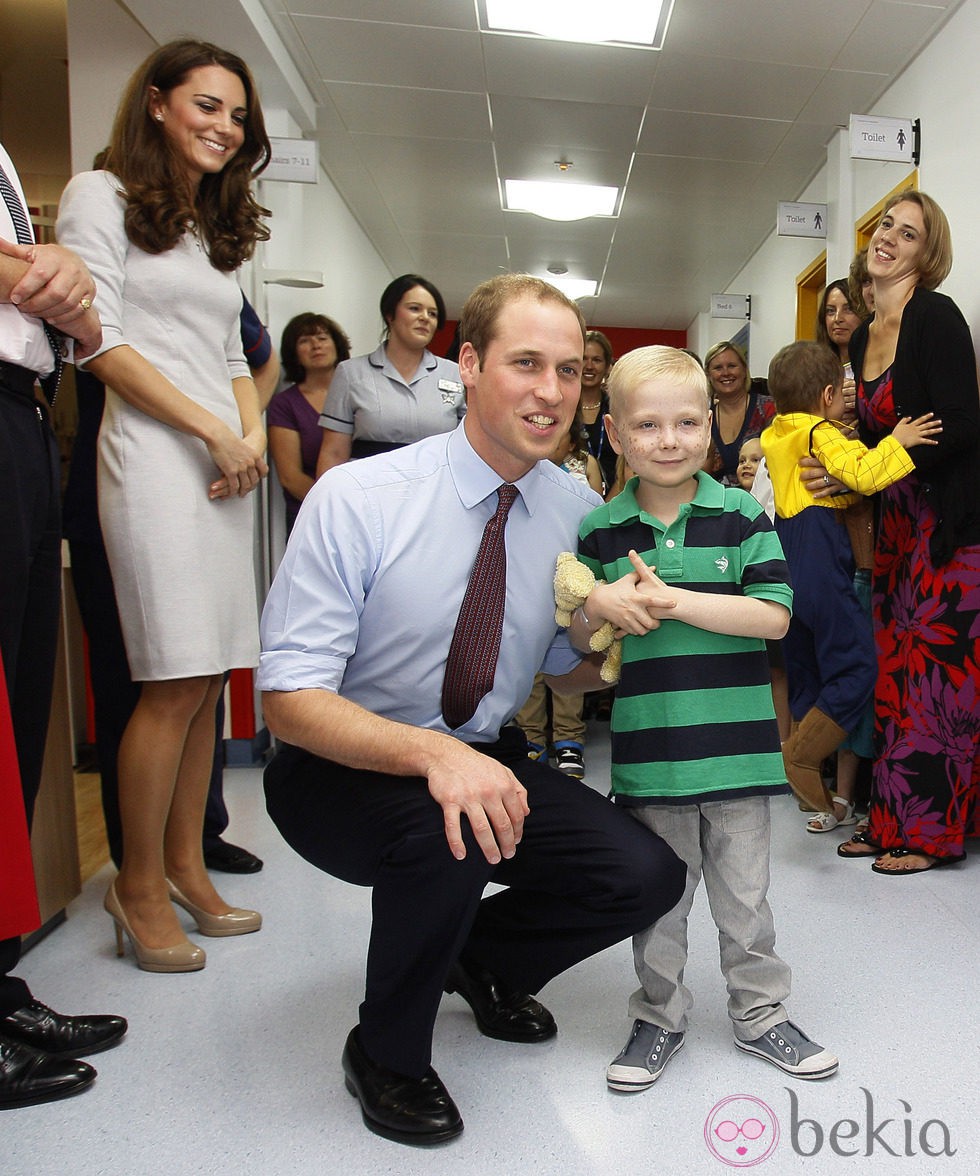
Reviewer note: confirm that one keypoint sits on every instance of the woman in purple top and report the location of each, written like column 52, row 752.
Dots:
column 312, row 346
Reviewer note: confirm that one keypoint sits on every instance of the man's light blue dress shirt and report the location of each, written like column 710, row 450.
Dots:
column 366, row 599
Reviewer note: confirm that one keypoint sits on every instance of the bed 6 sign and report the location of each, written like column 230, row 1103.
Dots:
column 742, row 1131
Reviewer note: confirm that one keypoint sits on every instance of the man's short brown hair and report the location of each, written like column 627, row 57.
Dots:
column 478, row 322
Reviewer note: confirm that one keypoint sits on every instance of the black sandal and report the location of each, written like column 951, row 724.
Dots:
column 934, row 862
column 860, row 839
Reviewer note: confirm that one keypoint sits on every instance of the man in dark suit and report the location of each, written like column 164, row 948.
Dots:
column 41, row 287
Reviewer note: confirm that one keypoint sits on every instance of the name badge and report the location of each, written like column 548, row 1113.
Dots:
column 450, row 386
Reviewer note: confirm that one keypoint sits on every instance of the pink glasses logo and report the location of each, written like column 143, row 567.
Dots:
column 741, row 1131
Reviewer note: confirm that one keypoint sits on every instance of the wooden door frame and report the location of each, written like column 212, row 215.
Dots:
column 809, row 287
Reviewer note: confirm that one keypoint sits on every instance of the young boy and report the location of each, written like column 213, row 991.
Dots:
column 829, row 648
column 695, row 751
column 749, row 457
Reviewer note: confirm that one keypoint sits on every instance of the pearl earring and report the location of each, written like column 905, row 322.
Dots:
column 159, row 118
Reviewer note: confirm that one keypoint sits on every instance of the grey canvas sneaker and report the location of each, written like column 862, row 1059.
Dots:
column 643, row 1058
column 789, row 1048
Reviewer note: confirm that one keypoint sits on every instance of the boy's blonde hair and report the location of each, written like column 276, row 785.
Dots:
column 655, row 363
column 799, row 373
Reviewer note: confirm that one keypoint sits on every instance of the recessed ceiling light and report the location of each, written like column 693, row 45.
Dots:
column 560, row 200
column 573, row 287
column 631, row 22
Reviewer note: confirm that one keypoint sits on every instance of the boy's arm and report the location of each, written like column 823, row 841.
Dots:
column 736, row 616
column 858, row 467
column 651, row 600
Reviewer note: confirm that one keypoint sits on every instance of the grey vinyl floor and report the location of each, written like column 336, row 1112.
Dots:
column 236, row 1069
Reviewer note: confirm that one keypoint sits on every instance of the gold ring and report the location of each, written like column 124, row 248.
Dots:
column 86, row 304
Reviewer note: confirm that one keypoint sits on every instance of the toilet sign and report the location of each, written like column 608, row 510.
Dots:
column 895, row 140
column 801, row 220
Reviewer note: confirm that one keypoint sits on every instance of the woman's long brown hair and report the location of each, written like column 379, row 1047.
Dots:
column 160, row 207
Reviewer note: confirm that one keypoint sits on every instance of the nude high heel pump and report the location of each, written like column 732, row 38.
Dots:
column 182, row 957
column 236, row 922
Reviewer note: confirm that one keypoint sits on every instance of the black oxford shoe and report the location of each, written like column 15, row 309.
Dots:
column 62, row 1037
column 500, row 1013
column 230, row 859
column 406, row 1110
column 28, row 1077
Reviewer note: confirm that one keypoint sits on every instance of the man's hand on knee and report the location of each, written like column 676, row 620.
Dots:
column 492, row 798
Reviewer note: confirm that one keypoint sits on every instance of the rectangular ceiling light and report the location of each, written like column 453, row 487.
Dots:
column 573, row 287
column 630, row 22
column 560, row 200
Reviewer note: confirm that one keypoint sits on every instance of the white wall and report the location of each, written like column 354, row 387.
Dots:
column 940, row 89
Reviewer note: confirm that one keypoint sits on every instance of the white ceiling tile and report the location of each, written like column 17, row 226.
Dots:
column 759, row 90
column 401, row 111
column 707, row 179
column 457, row 262
column 445, row 14
column 568, row 125
column 571, row 73
column 395, row 55
column 888, row 36
column 712, row 136
column 839, row 90
column 534, row 244
column 775, row 31
column 450, row 188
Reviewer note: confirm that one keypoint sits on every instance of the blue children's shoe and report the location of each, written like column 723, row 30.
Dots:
column 569, row 759
column 537, row 753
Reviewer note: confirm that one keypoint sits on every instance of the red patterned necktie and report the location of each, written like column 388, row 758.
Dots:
column 472, row 658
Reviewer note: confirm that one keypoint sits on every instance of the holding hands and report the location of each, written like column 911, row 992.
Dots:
column 57, row 287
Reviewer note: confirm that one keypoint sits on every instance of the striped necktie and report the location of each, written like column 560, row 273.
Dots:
column 472, row 659
column 25, row 236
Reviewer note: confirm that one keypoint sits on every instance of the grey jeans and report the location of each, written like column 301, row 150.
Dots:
column 726, row 841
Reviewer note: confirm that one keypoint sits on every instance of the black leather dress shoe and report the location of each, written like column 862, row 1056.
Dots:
column 230, row 859
column 42, row 1028
column 406, row 1110
column 28, row 1077
column 500, row 1013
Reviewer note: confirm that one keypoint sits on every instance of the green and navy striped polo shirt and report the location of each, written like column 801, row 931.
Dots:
column 693, row 719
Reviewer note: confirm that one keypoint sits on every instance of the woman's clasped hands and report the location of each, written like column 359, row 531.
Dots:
column 241, row 461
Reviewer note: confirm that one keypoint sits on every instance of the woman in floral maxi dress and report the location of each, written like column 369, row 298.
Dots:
column 917, row 356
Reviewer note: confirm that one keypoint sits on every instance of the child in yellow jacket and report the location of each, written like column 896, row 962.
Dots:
column 829, row 648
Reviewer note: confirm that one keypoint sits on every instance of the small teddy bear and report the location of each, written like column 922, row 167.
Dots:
column 573, row 583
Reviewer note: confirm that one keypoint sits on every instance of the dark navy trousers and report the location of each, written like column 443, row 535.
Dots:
column 585, row 876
